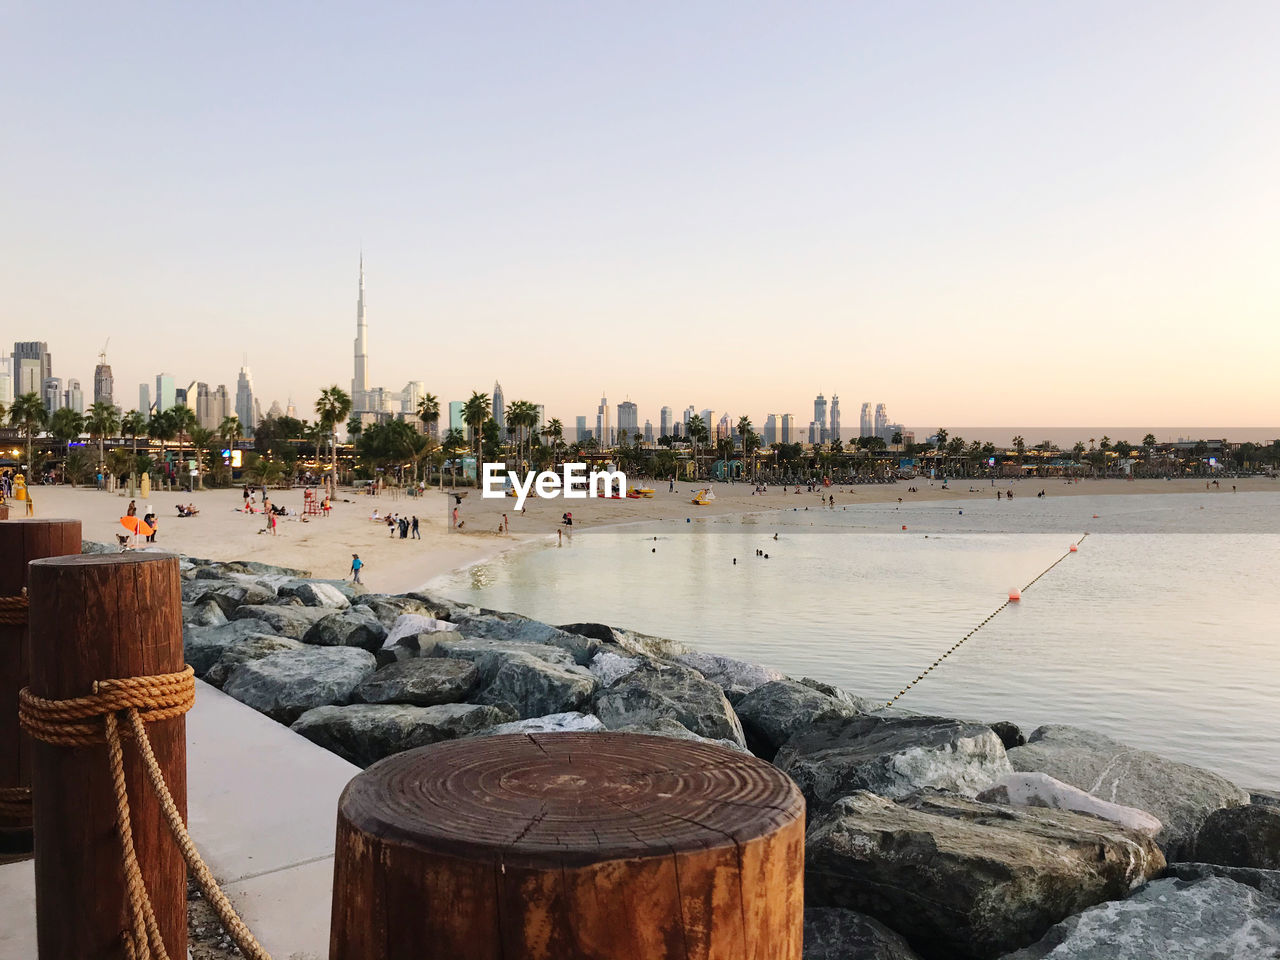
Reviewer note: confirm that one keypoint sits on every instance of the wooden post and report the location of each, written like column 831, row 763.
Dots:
column 570, row 846
column 95, row 618
column 4, row 511
column 21, row 541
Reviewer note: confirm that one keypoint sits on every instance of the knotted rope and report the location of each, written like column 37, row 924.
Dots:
column 15, row 802
column 96, row 718
column 13, row 610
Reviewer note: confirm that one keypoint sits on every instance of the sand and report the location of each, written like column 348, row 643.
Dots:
column 323, row 546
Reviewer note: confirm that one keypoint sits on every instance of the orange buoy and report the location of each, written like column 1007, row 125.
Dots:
column 1014, row 595
column 904, row 526
column 1071, row 549
column 1095, row 516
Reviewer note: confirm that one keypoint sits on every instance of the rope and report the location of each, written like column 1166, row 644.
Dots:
column 991, row 616
column 83, row 721
column 13, row 610
column 15, row 806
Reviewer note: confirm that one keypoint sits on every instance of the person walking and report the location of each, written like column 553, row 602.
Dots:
column 356, row 566
column 416, row 534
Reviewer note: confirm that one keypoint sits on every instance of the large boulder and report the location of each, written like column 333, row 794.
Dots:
column 203, row 613
column 569, row 722
column 774, row 711
column 735, row 677
column 364, row 733
column 1010, row 734
column 1247, row 836
column 1179, row 795
column 1264, row 798
column 315, row 593
column 892, row 756
column 355, row 627
column 286, row 619
column 656, row 690
column 832, row 933
column 227, row 594
column 420, row 682
column 1041, row 790
column 646, row 645
column 253, row 647
column 285, row 685
column 512, row 628
column 533, row 686
column 1264, row 881
column 388, row 608
column 965, row 880
column 609, row 667
column 1211, row 919
column 674, row 730
column 466, row 647
column 202, row 647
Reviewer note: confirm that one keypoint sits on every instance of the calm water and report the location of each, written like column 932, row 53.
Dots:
column 1162, row 631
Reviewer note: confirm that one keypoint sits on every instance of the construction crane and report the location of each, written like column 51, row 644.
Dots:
column 102, row 354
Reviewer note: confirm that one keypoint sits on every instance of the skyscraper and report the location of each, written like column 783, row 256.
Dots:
column 32, row 366
column 144, row 400
column 51, row 394
column 581, row 429
column 539, row 417
column 166, row 392
column 770, row 433
column 866, row 427
column 789, row 429
column 664, row 422
column 247, row 409
column 360, row 382
column 73, row 396
column 882, row 420
column 603, row 429
column 203, row 407
column 648, row 431
column 103, row 384
column 6, row 387
column 820, row 418
column 628, row 420
column 834, row 433
column 499, row 412
column 457, row 420
column 410, row 397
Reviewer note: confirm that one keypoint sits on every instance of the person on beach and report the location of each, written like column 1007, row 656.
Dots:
column 356, row 566
column 150, row 520
column 271, row 522
column 133, row 509
column 506, row 525
column 455, row 518
column 416, row 534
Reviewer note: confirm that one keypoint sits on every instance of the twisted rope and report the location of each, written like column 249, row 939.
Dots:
column 15, row 802
column 83, row 721
column 13, row 610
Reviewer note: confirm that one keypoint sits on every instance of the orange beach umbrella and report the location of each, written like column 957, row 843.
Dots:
column 136, row 525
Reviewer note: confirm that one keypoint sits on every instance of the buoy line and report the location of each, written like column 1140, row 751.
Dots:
column 1014, row 596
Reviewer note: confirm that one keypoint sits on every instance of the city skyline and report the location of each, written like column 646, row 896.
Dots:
column 1008, row 213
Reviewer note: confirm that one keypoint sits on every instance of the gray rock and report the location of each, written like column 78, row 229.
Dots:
column 364, row 733
column 227, row 594
column 596, row 631
column 774, row 711
column 859, row 704
column 285, row 685
column 288, row 620
column 674, row 730
column 356, row 627
column 255, row 569
column 94, row 547
column 608, row 667
column 253, row 647
column 1041, row 790
column 964, row 879
column 1264, row 798
column 387, row 608
column 203, row 613
column 443, row 608
column 202, row 647
column 1264, row 881
column 465, row 647
column 832, row 933
column 315, row 593
column 653, row 691
column 735, row 677
column 1179, row 795
column 1247, row 836
column 1212, row 919
column 422, row 683
column 516, row 629
column 892, row 756
column 533, row 686
column 1010, row 734
column 571, row 722
column 648, row 646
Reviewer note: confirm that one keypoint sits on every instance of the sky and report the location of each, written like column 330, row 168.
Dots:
column 1049, row 213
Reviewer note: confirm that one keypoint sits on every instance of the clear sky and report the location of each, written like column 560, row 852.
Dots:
column 977, row 213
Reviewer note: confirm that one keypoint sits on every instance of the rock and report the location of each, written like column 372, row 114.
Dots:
column 516, row 629
column 773, row 711
column 388, row 608
column 253, row 647
column 596, row 631
column 1041, row 790
column 314, row 593
column 674, row 730
column 412, row 624
column 892, row 756
column 1264, row 798
column 255, row 569
column 356, row 627
column 227, row 594
column 465, row 647
column 736, row 678
column 552, row 723
column 608, row 667
column 202, row 647
column 1212, row 919
column 1010, row 734
column 648, row 646
column 964, row 879
column 443, row 608
column 94, row 547
column 654, row 690
column 533, row 686
column 831, row 933
column 285, row 685
column 364, row 733
column 1265, row 881
column 1179, row 795
column 859, row 704
column 422, row 683
column 288, row 620
column 1247, row 836
column 204, row 613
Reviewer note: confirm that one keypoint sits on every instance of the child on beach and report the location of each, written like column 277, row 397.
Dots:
column 356, row 566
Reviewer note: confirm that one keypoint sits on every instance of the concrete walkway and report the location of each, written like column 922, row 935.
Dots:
column 262, row 806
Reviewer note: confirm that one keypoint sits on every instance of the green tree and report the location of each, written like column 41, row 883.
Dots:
column 66, row 425
column 474, row 413
column 942, row 437
column 183, row 419
column 103, row 421
column 454, row 443
column 429, row 411
column 554, row 432
column 27, row 414
column 697, row 435
column 201, row 443
column 133, row 426
column 332, row 408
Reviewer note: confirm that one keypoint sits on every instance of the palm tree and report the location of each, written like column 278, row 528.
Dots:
column 200, row 440
column 942, row 437
column 454, row 440
column 429, row 411
column 897, row 438
column 184, row 421
column 27, row 414
column 1020, row 445
column 332, row 409
column 554, row 431
column 133, row 426
column 697, row 432
column 161, row 428
column 474, row 413
column 102, row 422
column 66, row 425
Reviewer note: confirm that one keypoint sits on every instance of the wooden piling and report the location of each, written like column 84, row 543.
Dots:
column 570, row 846
column 21, row 541
column 95, row 618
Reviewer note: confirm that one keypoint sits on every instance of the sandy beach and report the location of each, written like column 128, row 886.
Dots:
column 324, row 546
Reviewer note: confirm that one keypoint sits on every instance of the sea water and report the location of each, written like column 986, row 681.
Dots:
column 1162, row 631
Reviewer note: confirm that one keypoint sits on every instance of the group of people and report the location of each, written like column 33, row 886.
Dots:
column 407, row 527
column 149, row 518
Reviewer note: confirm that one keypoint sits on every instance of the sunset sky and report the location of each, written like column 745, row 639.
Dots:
column 976, row 213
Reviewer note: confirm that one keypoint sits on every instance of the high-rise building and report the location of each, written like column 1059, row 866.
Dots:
column 144, row 400
column 724, row 428
column 580, row 429
column 6, row 387
column 688, row 415
column 247, row 408
column 628, row 420
column 32, row 366
column 410, row 397
column 166, row 392
column 816, row 432
column 457, row 419
column 833, row 434
column 73, row 396
column 499, row 411
column 603, row 429
column 709, row 420
column 180, row 397
column 275, row 411
column 51, row 394
column 820, row 418
column 866, row 426
column 789, row 434
column 290, row 410
column 539, row 417
column 882, row 420
column 770, row 434
column 221, row 406
column 103, row 384
column 648, row 432
column 204, row 407
column 664, row 422
column 360, row 381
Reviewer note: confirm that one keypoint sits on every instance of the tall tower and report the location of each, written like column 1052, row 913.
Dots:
column 820, row 418
column 602, row 423
column 866, row 427
column 499, row 408
column 835, row 418
column 360, row 382
column 882, row 421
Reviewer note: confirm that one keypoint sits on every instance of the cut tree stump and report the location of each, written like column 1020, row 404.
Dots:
column 569, row 846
